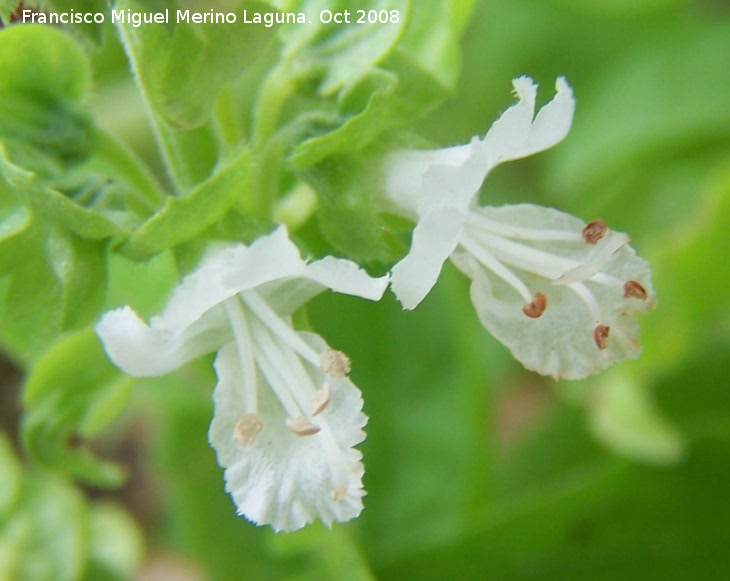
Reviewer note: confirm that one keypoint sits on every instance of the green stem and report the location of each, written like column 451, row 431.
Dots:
column 277, row 88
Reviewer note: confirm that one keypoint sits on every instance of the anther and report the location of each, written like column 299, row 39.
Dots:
column 321, row 399
column 247, row 428
column 537, row 307
column 594, row 231
column 633, row 290
column 334, row 363
column 600, row 335
column 301, row 426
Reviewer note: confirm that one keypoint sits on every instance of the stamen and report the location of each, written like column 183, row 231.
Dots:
column 525, row 257
column 520, row 232
column 244, row 349
column 247, row 428
column 600, row 335
column 599, row 257
column 537, row 307
column 634, row 290
column 277, row 374
column 485, row 258
column 301, row 426
column 594, row 231
column 269, row 318
column 321, row 399
column 334, row 363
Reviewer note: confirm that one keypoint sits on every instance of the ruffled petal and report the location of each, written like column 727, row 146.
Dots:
column 434, row 239
column 282, row 479
column 560, row 342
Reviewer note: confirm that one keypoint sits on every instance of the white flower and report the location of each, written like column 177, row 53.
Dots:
column 560, row 294
column 286, row 417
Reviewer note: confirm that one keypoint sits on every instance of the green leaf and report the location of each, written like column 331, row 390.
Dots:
column 53, row 127
column 45, row 536
column 144, row 286
column 80, row 266
column 349, row 213
column 42, row 62
column 184, row 218
column 393, row 97
column 73, row 391
column 55, row 280
column 32, row 307
column 13, row 222
column 183, row 67
column 52, row 205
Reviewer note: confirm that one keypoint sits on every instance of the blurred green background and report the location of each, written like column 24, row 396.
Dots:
column 476, row 468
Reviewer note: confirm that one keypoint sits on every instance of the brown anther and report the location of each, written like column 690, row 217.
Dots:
column 600, row 335
column 301, row 426
column 334, row 363
column 537, row 307
column 321, row 399
column 633, row 290
column 594, row 231
column 247, row 428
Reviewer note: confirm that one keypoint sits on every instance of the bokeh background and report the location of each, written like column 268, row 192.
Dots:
column 476, row 468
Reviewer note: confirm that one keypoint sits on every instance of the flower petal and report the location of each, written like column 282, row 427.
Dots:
column 434, row 239
column 143, row 351
column 288, row 281
column 437, row 175
column 515, row 134
column 560, row 341
column 280, row 478
column 344, row 276
column 228, row 272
